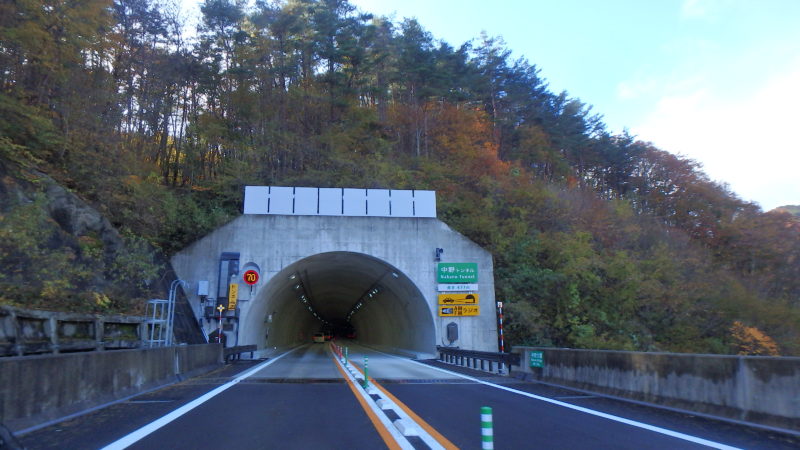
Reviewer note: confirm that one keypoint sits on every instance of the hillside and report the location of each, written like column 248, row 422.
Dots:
column 59, row 253
column 599, row 240
column 791, row 209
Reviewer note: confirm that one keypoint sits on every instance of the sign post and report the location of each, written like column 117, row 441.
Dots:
column 220, row 308
column 500, row 329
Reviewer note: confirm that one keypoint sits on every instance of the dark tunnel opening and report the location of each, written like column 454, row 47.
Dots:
column 338, row 292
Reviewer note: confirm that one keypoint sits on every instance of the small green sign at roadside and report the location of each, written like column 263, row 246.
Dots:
column 537, row 359
column 457, row 273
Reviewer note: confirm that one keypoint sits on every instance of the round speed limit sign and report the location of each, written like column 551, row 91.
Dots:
column 250, row 277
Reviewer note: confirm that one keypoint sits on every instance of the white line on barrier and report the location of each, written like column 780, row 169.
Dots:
column 144, row 431
column 633, row 423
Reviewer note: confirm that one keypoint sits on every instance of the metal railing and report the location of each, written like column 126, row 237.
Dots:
column 473, row 359
column 160, row 316
column 231, row 353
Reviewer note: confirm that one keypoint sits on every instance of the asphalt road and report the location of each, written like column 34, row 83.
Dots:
column 301, row 400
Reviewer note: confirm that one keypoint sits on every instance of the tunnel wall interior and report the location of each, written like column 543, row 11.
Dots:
column 372, row 276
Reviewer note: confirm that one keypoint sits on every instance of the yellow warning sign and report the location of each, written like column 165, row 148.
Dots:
column 459, row 310
column 233, row 296
column 458, row 299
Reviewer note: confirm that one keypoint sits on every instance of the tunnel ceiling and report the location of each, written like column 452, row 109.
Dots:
column 335, row 281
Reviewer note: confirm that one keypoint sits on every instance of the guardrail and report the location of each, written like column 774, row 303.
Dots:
column 232, row 353
column 478, row 360
column 31, row 332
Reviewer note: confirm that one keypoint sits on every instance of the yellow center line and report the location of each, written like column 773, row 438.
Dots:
column 387, row 437
column 443, row 441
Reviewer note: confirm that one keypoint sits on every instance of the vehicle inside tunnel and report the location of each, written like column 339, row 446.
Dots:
column 345, row 294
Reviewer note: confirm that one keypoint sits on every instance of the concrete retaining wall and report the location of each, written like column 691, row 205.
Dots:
column 36, row 389
column 762, row 390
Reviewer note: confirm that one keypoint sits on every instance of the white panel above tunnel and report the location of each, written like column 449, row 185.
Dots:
column 308, row 201
column 332, row 249
column 330, row 202
column 256, row 199
column 355, row 202
column 378, row 203
column 402, row 203
column 281, row 200
column 424, row 204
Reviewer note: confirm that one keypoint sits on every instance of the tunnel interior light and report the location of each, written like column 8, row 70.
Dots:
column 304, row 298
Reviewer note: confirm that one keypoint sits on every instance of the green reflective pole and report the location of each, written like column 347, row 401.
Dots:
column 366, row 376
column 487, row 432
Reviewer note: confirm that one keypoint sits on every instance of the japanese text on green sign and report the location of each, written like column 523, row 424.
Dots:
column 537, row 359
column 457, row 273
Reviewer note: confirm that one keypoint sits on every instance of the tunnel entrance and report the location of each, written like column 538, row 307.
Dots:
column 341, row 292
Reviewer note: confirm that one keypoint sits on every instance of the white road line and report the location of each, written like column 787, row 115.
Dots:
column 144, row 431
column 634, row 423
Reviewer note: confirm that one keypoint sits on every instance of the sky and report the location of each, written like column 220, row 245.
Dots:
column 717, row 81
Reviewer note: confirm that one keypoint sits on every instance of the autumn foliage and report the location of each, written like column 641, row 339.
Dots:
column 752, row 341
column 600, row 240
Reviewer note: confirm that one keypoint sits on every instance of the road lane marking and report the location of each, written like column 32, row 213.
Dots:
column 675, row 434
column 379, row 421
column 150, row 428
column 443, row 441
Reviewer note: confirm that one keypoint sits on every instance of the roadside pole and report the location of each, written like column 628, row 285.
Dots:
column 366, row 372
column 220, row 308
column 500, row 331
column 487, row 429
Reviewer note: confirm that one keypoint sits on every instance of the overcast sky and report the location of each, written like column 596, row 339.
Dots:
column 717, row 81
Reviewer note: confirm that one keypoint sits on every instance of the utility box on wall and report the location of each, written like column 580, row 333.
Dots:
column 452, row 332
column 228, row 269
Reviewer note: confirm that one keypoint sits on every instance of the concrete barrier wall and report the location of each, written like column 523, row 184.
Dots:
column 762, row 390
column 36, row 389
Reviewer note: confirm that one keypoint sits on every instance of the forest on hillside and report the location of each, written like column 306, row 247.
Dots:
column 599, row 240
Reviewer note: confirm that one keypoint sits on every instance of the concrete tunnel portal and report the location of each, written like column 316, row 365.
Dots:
column 340, row 291
column 331, row 258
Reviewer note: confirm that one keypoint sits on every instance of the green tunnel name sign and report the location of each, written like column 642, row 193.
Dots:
column 457, row 273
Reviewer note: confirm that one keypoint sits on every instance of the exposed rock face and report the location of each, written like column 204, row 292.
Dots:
column 78, row 218
column 73, row 215
column 72, row 219
column 11, row 193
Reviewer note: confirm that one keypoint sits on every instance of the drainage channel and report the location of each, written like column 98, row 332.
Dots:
column 408, row 429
